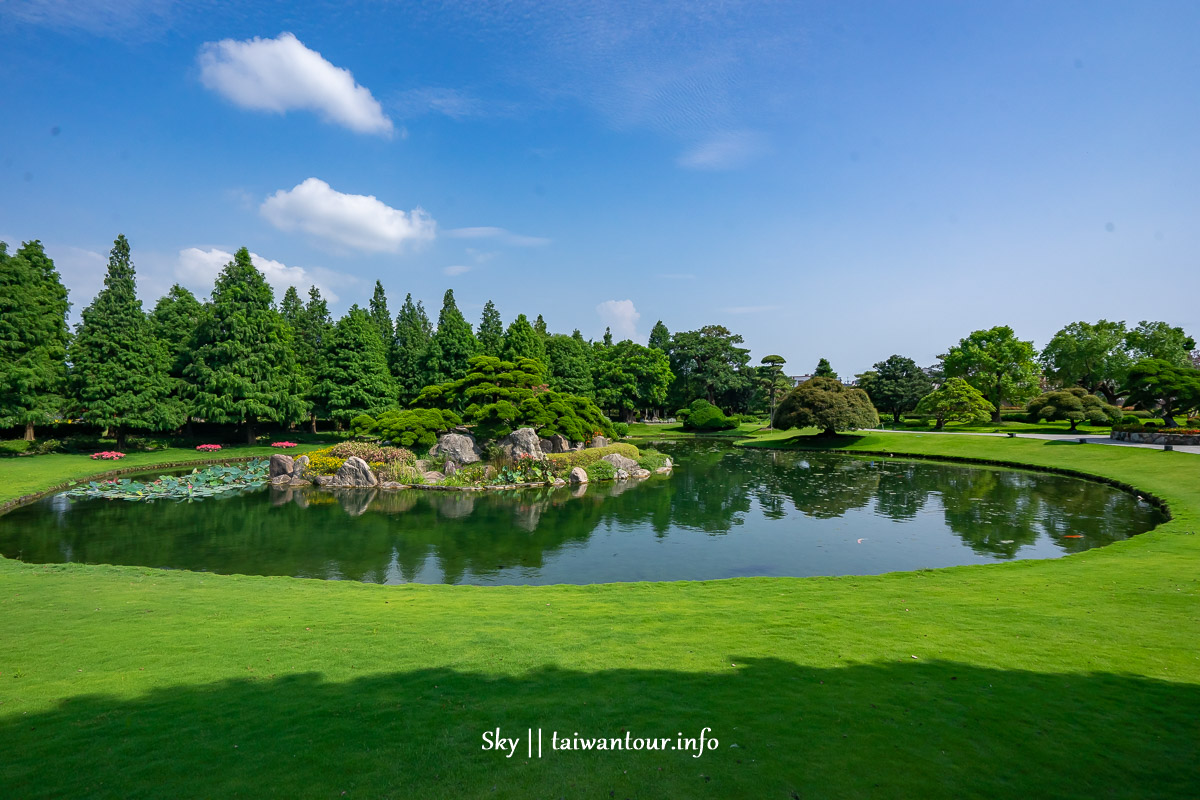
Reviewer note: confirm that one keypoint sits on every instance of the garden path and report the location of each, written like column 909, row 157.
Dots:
column 1084, row 438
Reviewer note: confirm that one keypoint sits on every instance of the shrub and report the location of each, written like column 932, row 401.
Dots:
column 1075, row 405
column 1012, row 416
column 417, row 427
column 1131, row 419
column 14, row 447
column 283, row 445
column 371, row 453
column 621, row 429
column 828, row 404
column 108, row 455
column 652, row 460
column 41, row 447
column 565, row 462
column 704, row 416
column 400, row 473
column 467, row 476
column 601, row 471
column 208, row 448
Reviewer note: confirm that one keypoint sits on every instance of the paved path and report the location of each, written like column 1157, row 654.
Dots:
column 1082, row 437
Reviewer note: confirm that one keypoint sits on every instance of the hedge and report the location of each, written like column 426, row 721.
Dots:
column 582, row 458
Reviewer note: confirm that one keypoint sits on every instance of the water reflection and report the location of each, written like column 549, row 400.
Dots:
column 723, row 512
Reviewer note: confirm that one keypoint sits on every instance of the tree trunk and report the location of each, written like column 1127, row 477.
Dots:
column 829, row 432
column 29, row 431
column 1074, row 422
column 896, row 416
column 996, row 403
column 312, row 423
column 188, row 430
column 249, row 432
column 120, row 439
column 940, row 423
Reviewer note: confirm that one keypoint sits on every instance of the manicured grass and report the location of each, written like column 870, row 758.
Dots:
column 641, row 430
column 1077, row 677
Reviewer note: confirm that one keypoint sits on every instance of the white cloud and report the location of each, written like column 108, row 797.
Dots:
column 359, row 221
column 724, row 150
column 199, row 268
column 123, row 19
column 457, row 269
column 621, row 317
column 282, row 74
column 500, row 235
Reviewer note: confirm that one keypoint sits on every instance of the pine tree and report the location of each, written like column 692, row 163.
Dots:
column 660, row 337
column 33, row 338
column 354, row 377
column 173, row 323
column 491, row 331
column 522, row 341
column 291, row 308
column 539, row 325
column 382, row 318
column 311, row 332
column 451, row 347
column 407, row 362
column 824, row 370
column 119, row 371
column 608, row 340
column 243, row 369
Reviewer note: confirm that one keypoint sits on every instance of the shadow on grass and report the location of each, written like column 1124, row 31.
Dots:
column 905, row 729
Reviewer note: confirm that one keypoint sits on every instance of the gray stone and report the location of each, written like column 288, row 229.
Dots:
column 622, row 475
column 559, row 444
column 460, row 448
column 391, row 485
column 355, row 473
column 433, row 476
column 621, row 462
column 546, row 445
column 521, row 443
column 598, row 441
column 668, row 463
column 559, row 482
column 294, row 481
column 281, row 466
column 663, row 470
column 641, row 473
column 578, row 475
column 299, row 466
column 450, row 469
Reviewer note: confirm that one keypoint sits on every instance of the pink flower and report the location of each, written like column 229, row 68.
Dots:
column 283, row 444
column 208, row 448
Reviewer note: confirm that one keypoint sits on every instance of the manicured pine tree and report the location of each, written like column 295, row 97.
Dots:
column 119, row 371
column 382, row 318
column 660, row 337
column 354, row 377
column 243, row 369
column 522, row 341
column 452, row 345
column 491, row 331
column 407, row 362
column 33, row 338
column 173, row 323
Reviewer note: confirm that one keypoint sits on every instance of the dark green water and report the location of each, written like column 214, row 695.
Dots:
column 724, row 512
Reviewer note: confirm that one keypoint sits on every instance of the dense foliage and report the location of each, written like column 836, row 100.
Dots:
column 995, row 362
column 198, row 484
column 955, row 401
column 417, row 428
column 896, row 385
column 353, row 378
column 1164, row 387
column 702, row 415
column 1074, row 405
column 828, row 404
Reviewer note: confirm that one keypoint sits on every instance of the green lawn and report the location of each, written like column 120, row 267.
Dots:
column 1077, row 677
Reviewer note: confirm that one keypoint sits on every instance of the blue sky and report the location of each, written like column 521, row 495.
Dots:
column 845, row 180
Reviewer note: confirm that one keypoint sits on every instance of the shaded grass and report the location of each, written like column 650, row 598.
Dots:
column 1074, row 677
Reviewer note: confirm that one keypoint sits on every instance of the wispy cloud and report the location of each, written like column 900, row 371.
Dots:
column 724, row 150
column 117, row 19
column 621, row 317
column 282, row 75
column 359, row 221
column 498, row 234
column 199, row 268
column 457, row 269
column 453, row 103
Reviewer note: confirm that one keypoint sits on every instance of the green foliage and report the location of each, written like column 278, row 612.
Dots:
column 451, row 347
column 524, row 470
column 823, row 370
column 601, row 471
column 522, row 341
column 1087, row 355
column 371, row 453
column 119, row 370
column 381, row 318
column 565, row 462
column 955, row 401
column 196, row 485
column 1163, row 387
column 418, row 428
column 413, row 334
column 173, row 322
column 621, row 429
column 570, row 364
column 400, row 473
column 652, row 460
column 1158, row 340
column 660, row 337
column 33, row 338
column 708, row 363
column 491, row 331
column 243, row 368
column 827, row 404
column 896, row 385
column 1075, row 405
column 702, row 415
column 629, row 377
column 354, row 378
column 995, row 362
column 312, row 330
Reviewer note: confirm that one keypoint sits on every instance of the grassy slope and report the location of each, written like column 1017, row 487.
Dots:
column 1074, row 677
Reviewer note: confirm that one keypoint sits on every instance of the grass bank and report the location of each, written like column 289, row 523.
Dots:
column 1077, row 677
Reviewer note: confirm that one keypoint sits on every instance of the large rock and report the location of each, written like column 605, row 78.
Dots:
column 578, row 475
column 558, row 444
column 622, row 475
column 461, row 448
column 598, row 441
column 299, row 466
column 641, row 473
column 546, row 445
column 521, row 443
column 433, row 476
column 621, row 462
column 355, row 473
column 280, row 468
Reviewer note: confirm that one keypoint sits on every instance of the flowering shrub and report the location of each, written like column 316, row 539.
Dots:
column 328, row 460
column 108, row 455
column 208, row 448
column 283, row 444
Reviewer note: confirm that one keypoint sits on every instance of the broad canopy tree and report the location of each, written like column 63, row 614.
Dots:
column 828, row 404
column 708, row 363
column 1164, row 388
column 955, row 401
column 630, row 377
column 997, row 363
column 896, row 385
column 1161, row 341
column 570, row 361
column 1091, row 356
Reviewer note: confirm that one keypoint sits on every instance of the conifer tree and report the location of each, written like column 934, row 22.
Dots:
column 382, row 318
column 413, row 333
column 243, row 369
column 522, row 341
column 452, row 345
column 354, row 377
column 539, row 326
column 311, row 331
column 33, row 338
column 660, row 337
column 119, row 371
column 491, row 331
column 570, row 365
column 291, row 307
column 824, row 370
column 173, row 323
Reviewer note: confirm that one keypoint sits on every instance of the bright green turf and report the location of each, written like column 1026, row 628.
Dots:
column 1077, row 677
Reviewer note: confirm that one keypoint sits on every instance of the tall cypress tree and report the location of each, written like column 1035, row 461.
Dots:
column 413, row 332
column 173, row 323
column 33, row 338
column 243, row 369
column 522, row 341
column 539, row 326
column 291, row 308
column 354, row 377
column 452, row 345
column 119, row 370
column 491, row 331
column 382, row 318
column 311, row 332
column 660, row 337
column 608, row 340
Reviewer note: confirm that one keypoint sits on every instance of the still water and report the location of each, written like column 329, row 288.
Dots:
column 723, row 513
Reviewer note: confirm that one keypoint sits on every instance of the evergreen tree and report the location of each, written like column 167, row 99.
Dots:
column 522, row 341
column 413, row 334
column 570, row 365
column 243, row 369
column 173, row 323
column 452, row 345
column 824, row 370
column 291, row 308
column 354, row 377
column 772, row 378
column 33, row 338
column 896, row 385
column 608, row 340
column 119, row 371
column 491, row 331
column 660, row 337
column 311, row 330
column 539, row 326
column 630, row 377
column 382, row 318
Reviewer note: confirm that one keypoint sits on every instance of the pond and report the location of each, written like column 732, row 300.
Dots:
column 724, row 512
